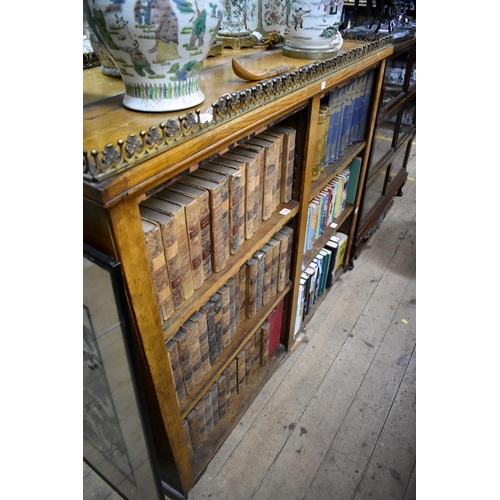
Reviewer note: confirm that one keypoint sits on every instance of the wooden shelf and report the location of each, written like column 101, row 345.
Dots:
column 237, row 407
column 266, row 230
column 243, row 334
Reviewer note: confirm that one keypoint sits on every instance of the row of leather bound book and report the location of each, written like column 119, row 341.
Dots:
column 192, row 226
column 199, row 342
column 214, row 404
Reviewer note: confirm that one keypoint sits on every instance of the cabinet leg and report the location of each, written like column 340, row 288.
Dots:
column 400, row 191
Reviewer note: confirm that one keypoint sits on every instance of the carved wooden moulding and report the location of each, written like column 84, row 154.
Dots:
column 100, row 165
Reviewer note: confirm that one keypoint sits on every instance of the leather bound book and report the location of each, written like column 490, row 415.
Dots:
column 276, row 138
column 222, row 180
column 222, row 396
column 235, row 201
column 242, row 284
column 217, row 302
column 264, row 342
column 177, row 212
column 191, row 328
column 225, row 297
column 169, row 239
column 275, row 245
column 227, row 374
column 194, row 429
column 187, row 436
column 192, row 215
column 208, row 310
column 200, row 318
column 233, row 375
column 283, row 239
column 233, row 286
column 200, row 411
column 216, row 194
column 249, row 165
column 288, row 231
column 209, row 419
column 268, row 172
column 289, row 137
column 240, row 167
column 185, row 355
column 252, row 267
column 214, row 396
column 259, row 257
column 158, row 267
column 248, row 359
column 256, row 166
column 268, row 265
column 241, row 370
column 204, row 213
column 256, row 349
column 175, row 365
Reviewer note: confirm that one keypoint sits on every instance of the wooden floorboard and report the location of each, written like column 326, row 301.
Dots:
column 337, row 419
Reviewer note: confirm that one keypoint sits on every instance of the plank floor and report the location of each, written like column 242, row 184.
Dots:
column 337, row 420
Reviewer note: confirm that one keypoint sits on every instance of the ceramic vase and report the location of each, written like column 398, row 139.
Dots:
column 313, row 26
column 265, row 16
column 234, row 18
column 108, row 67
column 159, row 47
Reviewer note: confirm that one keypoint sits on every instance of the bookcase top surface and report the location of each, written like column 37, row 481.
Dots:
column 232, row 106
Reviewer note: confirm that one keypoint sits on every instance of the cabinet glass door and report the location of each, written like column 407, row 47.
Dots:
column 115, row 436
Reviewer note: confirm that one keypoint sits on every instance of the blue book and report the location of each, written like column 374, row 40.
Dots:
column 338, row 120
column 366, row 104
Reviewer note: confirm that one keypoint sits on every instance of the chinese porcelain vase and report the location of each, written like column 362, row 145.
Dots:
column 314, row 25
column 158, row 46
column 265, row 16
column 234, row 18
column 108, row 67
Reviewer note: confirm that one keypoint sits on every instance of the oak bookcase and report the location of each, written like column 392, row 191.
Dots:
column 129, row 155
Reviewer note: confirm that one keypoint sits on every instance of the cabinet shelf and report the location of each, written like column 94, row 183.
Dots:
column 327, row 234
column 235, row 411
column 243, row 334
column 266, row 230
column 335, row 167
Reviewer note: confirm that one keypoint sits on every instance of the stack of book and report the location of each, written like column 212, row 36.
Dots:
column 326, row 207
column 214, row 404
column 346, row 108
column 319, row 276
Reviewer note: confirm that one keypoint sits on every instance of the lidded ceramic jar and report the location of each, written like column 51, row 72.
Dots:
column 158, row 46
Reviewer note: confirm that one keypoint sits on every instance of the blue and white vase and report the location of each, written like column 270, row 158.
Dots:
column 159, row 47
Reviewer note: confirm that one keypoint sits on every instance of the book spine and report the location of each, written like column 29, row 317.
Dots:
column 185, row 356
column 241, row 370
column 209, row 418
column 264, row 343
column 227, row 376
column 159, row 272
column 268, row 264
column 256, row 349
column 173, row 265
column 275, row 245
column 320, row 147
column 233, row 377
column 217, row 302
column 202, row 424
column 225, row 298
column 200, row 319
column 193, row 339
column 222, row 396
column 251, row 287
column 233, row 285
column 242, row 285
column 288, row 231
column 194, row 429
column 206, row 238
column 300, row 310
column 192, row 215
column 214, row 396
column 234, row 212
column 187, row 437
column 259, row 257
column 250, row 202
column 175, row 365
column 184, row 254
column 287, row 173
column 248, row 359
column 208, row 310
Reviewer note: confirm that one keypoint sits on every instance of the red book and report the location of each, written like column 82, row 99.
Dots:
column 275, row 320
